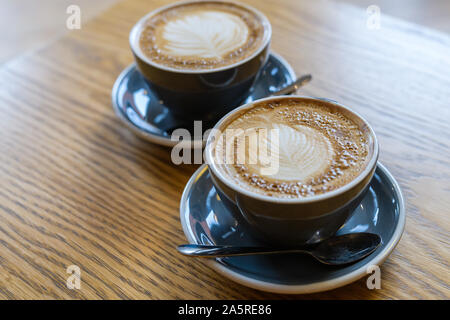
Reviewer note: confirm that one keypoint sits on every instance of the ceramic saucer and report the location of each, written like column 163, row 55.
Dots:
column 133, row 100
column 206, row 221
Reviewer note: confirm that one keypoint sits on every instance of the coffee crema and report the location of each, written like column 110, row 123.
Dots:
column 317, row 148
column 202, row 35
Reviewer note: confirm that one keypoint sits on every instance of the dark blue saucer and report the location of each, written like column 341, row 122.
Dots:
column 205, row 220
column 139, row 108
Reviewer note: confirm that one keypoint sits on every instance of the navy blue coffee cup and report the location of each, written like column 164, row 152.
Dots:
column 289, row 221
column 201, row 94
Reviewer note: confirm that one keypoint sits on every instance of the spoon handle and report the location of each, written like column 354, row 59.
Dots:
column 204, row 251
column 294, row 86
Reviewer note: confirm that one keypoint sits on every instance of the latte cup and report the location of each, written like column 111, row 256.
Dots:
column 205, row 94
column 292, row 221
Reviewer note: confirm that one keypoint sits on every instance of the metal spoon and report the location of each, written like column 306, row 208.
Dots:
column 338, row 250
column 301, row 81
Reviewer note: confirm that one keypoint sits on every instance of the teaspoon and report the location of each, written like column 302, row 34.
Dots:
column 294, row 86
column 337, row 250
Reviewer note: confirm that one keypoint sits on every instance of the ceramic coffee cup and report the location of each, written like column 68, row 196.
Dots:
column 205, row 94
column 291, row 221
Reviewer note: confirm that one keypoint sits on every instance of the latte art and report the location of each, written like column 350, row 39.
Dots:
column 210, row 34
column 203, row 35
column 316, row 149
column 301, row 153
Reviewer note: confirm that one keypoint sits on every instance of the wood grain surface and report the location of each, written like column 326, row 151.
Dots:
column 37, row 23
column 78, row 188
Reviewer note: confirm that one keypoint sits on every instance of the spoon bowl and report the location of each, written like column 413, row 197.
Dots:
column 347, row 248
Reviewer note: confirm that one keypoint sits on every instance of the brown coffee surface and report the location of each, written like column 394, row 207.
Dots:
column 316, row 149
column 202, row 35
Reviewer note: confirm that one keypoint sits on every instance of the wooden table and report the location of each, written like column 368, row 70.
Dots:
column 78, row 188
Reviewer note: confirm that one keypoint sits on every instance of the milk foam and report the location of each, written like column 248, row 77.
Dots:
column 302, row 153
column 317, row 149
column 203, row 34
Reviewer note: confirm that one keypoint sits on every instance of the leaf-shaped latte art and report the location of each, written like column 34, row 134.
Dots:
column 309, row 148
column 208, row 34
column 302, row 152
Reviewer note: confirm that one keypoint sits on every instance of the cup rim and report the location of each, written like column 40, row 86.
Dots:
column 240, row 190
column 136, row 32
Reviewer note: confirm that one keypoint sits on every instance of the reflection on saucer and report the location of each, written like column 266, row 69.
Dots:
column 137, row 106
column 205, row 220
